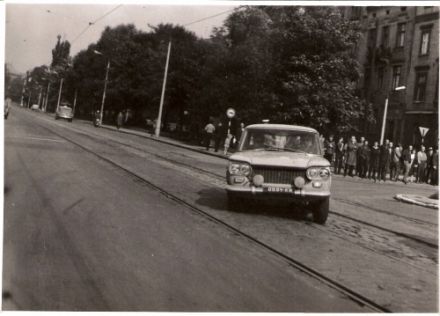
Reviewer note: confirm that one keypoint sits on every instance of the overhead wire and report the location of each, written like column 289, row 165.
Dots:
column 94, row 22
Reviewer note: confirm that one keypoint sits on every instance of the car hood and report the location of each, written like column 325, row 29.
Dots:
column 280, row 159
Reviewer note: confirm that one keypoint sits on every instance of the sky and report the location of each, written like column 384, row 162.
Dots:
column 32, row 29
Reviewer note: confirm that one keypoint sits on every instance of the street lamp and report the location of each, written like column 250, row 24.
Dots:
column 382, row 133
column 105, row 84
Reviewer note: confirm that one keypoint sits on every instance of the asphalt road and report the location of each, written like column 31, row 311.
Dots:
column 80, row 234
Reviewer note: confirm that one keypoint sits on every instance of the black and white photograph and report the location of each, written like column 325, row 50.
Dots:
column 221, row 156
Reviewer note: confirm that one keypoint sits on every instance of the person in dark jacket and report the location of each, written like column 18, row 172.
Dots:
column 360, row 144
column 385, row 159
column 406, row 157
column 330, row 149
column 351, row 152
column 364, row 157
column 339, row 155
column 374, row 162
column 434, row 174
column 219, row 134
column 428, row 170
column 395, row 163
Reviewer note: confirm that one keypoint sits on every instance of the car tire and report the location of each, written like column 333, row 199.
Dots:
column 234, row 202
column 320, row 211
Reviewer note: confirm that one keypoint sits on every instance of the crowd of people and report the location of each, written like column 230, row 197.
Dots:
column 382, row 162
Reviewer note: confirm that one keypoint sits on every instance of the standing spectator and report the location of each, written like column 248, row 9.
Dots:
column 240, row 131
column 209, row 132
column 119, row 120
column 395, row 163
column 374, row 162
column 364, row 159
column 218, row 135
column 385, row 158
column 414, row 164
column 351, row 152
column 322, row 142
column 339, row 157
column 330, row 149
column 428, row 171
column 406, row 157
column 434, row 174
column 421, row 160
column 359, row 146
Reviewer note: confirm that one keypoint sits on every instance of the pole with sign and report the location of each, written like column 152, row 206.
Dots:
column 230, row 113
column 423, row 132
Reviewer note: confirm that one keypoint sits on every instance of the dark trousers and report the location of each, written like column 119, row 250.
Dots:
column 363, row 167
column 338, row 162
column 373, row 172
column 208, row 137
column 218, row 141
column 383, row 170
column 349, row 169
column 421, row 172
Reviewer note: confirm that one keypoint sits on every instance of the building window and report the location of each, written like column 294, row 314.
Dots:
column 400, row 36
column 424, row 42
column 396, row 76
column 420, row 86
column 380, row 75
column 385, row 36
column 402, row 8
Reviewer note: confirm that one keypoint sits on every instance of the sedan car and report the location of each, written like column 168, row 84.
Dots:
column 279, row 163
column 64, row 112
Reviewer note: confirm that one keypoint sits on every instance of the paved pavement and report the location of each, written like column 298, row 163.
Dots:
column 364, row 247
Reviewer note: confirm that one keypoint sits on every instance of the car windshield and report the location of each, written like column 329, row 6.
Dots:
column 281, row 140
column 65, row 109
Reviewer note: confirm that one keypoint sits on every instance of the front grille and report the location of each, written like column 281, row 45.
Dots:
column 279, row 175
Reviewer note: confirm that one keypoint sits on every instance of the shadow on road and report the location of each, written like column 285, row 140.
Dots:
column 216, row 199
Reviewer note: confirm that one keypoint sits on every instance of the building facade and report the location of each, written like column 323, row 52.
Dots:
column 400, row 49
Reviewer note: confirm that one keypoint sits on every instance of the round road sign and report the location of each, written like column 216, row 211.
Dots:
column 230, row 113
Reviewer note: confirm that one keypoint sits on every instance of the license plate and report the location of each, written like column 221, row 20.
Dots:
column 279, row 190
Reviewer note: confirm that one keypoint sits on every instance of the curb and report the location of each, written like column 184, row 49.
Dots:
column 125, row 131
column 418, row 200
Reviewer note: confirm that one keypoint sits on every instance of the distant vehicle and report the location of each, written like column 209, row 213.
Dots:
column 64, row 112
column 35, row 107
column 279, row 163
column 7, row 106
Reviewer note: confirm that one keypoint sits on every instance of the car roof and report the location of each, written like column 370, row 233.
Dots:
column 282, row 127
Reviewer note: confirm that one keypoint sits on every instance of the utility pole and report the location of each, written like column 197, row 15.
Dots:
column 385, row 112
column 22, row 91
column 59, row 94
column 39, row 96
column 29, row 99
column 159, row 117
column 105, row 89
column 74, row 101
column 47, row 96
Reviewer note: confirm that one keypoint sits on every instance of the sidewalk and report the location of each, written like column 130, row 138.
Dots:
column 166, row 140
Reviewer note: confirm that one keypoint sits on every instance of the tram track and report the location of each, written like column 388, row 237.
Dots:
column 341, row 288
column 332, row 211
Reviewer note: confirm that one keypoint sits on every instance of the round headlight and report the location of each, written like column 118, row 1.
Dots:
column 234, row 168
column 245, row 169
column 324, row 173
column 312, row 173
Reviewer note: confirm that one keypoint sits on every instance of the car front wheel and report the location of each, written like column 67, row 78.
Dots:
column 320, row 211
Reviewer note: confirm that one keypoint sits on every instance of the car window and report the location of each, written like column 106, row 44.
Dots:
column 281, row 140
